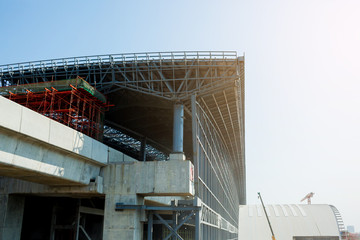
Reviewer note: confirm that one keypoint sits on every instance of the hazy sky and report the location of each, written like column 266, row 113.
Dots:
column 302, row 75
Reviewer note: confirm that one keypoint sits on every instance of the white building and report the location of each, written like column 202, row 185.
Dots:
column 290, row 222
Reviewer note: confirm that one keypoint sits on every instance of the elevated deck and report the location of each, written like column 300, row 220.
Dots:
column 38, row 149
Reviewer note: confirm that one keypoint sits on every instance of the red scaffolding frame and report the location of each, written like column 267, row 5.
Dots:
column 75, row 107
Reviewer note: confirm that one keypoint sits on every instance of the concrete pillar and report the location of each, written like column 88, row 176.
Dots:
column 126, row 224
column 11, row 216
column 120, row 187
column 178, row 130
column 129, row 182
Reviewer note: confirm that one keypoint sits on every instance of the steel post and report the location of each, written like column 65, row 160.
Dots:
column 143, row 149
column 150, row 226
column 178, row 130
column 197, row 219
column 195, row 144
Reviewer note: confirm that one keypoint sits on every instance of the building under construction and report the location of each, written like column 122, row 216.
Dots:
column 124, row 146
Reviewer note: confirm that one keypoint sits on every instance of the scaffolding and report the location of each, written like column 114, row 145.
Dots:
column 72, row 102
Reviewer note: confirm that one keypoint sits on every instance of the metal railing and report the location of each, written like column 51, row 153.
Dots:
column 113, row 58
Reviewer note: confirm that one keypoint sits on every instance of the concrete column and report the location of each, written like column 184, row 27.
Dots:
column 178, row 130
column 129, row 182
column 11, row 216
column 120, row 187
column 126, row 224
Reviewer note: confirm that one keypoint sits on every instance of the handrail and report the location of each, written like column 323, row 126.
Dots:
column 114, row 58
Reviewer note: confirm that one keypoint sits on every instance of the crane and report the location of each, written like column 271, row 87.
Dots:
column 272, row 232
column 308, row 197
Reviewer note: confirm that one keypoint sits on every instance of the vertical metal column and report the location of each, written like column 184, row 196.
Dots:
column 197, row 226
column 197, row 219
column 178, row 130
column 53, row 223
column 143, row 149
column 150, row 226
column 195, row 145
column 174, row 218
column 196, row 164
column 77, row 219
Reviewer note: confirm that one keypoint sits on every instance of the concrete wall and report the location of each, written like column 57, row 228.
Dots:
column 130, row 182
column 32, row 160
column 11, row 215
column 158, row 178
column 124, row 224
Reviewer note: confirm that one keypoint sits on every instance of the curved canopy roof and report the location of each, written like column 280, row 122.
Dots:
column 288, row 221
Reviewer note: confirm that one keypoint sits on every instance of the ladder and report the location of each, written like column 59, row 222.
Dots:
column 340, row 222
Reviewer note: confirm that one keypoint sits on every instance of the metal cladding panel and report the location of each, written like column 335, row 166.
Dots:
column 288, row 221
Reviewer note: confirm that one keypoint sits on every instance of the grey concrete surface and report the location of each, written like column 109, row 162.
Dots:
column 43, row 157
column 17, row 186
column 124, row 224
column 11, row 215
column 158, row 178
column 38, row 149
column 29, row 159
column 38, row 127
column 130, row 182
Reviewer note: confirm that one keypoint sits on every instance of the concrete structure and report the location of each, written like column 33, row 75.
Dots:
column 64, row 161
column 38, row 149
column 297, row 222
column 171, row 163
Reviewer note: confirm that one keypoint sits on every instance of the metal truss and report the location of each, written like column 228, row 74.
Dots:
column 207, row 216
column 211, row 218
column 137, row 148
column 216, row 78
column 180, row 216
column 211, row 87
column 170, row 75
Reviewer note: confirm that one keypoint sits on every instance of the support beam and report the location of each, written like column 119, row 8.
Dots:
column 150, row 226
column 174, row 218
column 143, row 149
column 178, row 130
column 153, row 178
column 195, row 143
column 173, row 231
column 197, row 219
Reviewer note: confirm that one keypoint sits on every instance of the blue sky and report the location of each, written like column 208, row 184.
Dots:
column 302, row 75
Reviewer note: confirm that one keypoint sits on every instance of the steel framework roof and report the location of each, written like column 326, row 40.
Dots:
column 144, row 86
